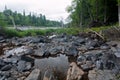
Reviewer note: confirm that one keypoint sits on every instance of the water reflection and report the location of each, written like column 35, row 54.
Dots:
column 59, row 65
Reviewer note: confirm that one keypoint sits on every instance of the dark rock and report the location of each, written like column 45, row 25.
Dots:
column 2, row 63
column 46, row 54
column 117, row 52
column 72, row 51
column 6, row 74
column 6, row 67
column 99, row 64
column 27, row 58
column 28, row 66
column 92, row 44
column 87, row 66
column 81, row 59
column 13, row 59
column 24, row 66
column 1, row 37
column 81, row 41
column 94, row 55
column 2, row 41
column 104, row 47
column 89, row 57
column 110, row 64
column 55, row 50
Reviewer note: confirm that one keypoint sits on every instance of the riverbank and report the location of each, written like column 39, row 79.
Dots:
column 59, row 57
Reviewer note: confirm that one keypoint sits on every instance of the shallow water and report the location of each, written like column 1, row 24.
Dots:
column 59, row 65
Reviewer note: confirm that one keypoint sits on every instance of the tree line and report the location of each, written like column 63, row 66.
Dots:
column 21, row 19
column 93, row 12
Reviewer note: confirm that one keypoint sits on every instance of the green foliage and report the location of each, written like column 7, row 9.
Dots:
column 118, row 77
column 85, row 12
column 98, row 29
column 26, row 20
column 13, row 32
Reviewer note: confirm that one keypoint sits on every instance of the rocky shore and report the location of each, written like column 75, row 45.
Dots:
column 59, row 57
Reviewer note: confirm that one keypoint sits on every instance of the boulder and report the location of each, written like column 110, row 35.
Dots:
column 34, row 75
column 74, row 72
column 101, row 75
column 72, row 51
column 23, row 50
column 6, row 67
column 24, row 66
column 21, row 66
column 48, row 75
column 87, row 66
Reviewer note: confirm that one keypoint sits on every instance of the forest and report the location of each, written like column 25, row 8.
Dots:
column 21, row 19
column 90, row 13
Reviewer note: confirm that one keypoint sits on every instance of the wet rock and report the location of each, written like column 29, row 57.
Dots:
column 6, row 67
column 83, row 49
column 46, row 50
column 19, row 51
column 99, row 64
column 13, row 59
column 28, row 66
column 117, row 52
column 79, row 42
column 74, row 72
column 101, row 75
column 89, row 57
column 24, row 66
column 87, row 66
column 92, row 44
column 94, row 54
column 2, row 63
column 105, row 47
column 55, row 50
column 81, row 60
column 34, row 75
column 21, row 66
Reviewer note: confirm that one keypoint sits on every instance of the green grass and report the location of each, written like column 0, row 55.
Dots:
column 118, row 76
column 13, row 32
column 98, row 29
column 69, row 31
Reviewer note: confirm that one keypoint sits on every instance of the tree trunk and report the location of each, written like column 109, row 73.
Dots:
column 119, row 14
column 105, row 11
column 81, row 15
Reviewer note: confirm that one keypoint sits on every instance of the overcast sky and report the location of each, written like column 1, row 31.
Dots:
column 53, row 9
